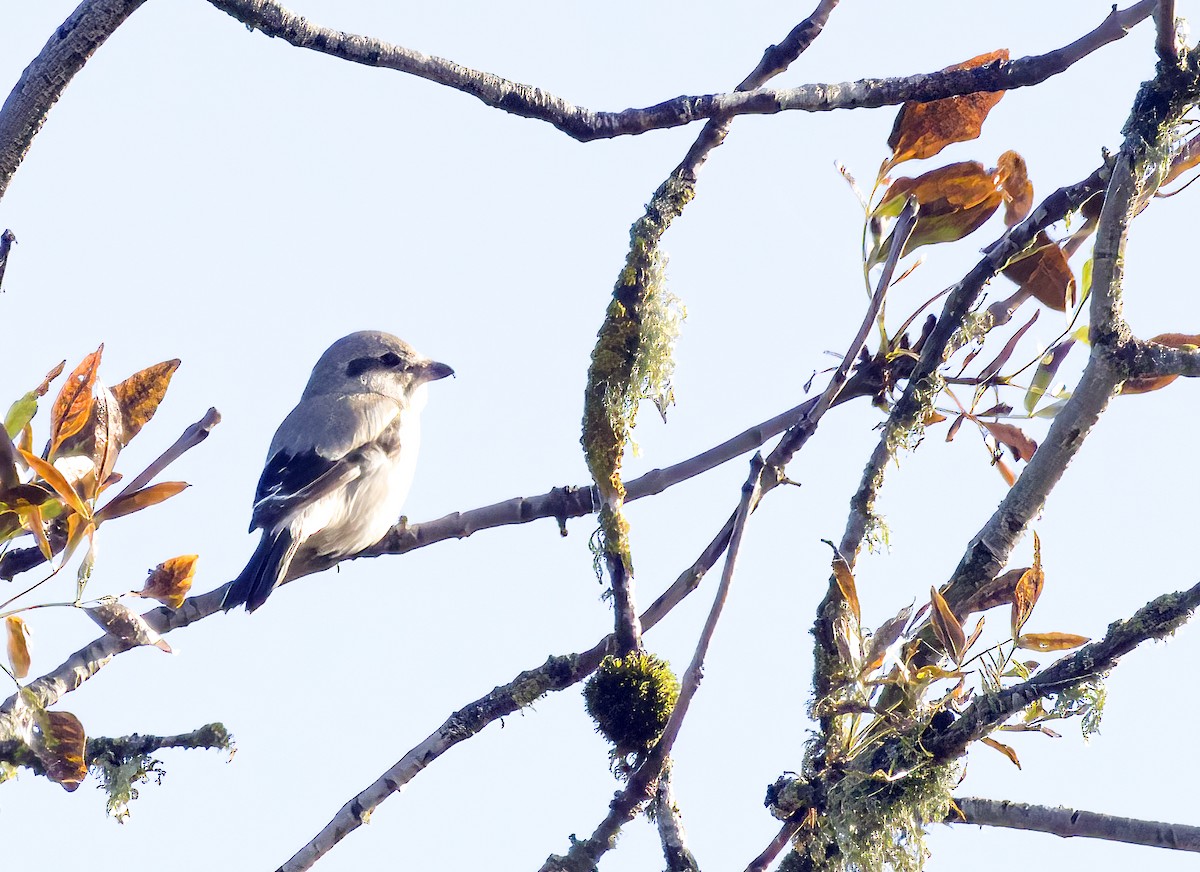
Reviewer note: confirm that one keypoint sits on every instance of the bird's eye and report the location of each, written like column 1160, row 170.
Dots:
column 390, row 360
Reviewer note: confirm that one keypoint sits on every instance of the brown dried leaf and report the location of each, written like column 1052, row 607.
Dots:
column 1010, row 478
column 1050, row 641
column 923, row 129
column 1045, row 274
column 99, row 440
column 74, row 402
column 954, row 428
column 140, row 499
column 946, row 626
column 1018, row 190
column 1021, row 445
column 1145, row 384
column 139, row 395
column 18, row 645
column 997, row 592
column 127, row 625
column 1003, row 749
column 170, row 581
column 954, row 201
column 61, row 747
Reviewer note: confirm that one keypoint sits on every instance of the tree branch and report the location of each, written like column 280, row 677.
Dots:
column 112, row 751
column 670, row 827
column 585, row 125
column 1155, row 620
column 1069, row 822
column 48, row 75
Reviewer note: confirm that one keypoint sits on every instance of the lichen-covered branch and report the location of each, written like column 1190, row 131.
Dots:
column 105, row 750
column 665, row 812
column 1070, row 822
column 43, row 81
column 1157, row 619
column 584, row 124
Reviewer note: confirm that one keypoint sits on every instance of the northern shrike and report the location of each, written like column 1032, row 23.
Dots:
column 341, row 463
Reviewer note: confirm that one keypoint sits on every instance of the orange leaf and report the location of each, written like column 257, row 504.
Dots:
column 1028, row 589
column 139, row 395
column 946, row 626
column 1051, row 641
column 1007, row 474
column 18, row 645
column 1145, row 384
column 845, row 582
column 170, row 581
column 1044, row 274
column 923, row 129
column 140, row 499
column 74, row 402
column 1018, row 190
column 954, row 200
column 1003, row 749
column 61, row 748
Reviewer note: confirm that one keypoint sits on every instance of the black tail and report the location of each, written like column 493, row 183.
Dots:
column 265, row 569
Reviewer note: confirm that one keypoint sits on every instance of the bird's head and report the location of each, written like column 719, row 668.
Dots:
column 373, row 362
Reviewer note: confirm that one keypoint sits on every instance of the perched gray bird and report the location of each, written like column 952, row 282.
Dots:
column 341, row 463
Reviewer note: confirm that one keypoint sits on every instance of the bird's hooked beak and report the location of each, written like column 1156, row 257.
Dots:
column 432, row 371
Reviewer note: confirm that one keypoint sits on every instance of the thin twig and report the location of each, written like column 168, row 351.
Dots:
column 583, row 855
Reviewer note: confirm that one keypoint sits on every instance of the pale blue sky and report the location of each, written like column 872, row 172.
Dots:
column 203, row 192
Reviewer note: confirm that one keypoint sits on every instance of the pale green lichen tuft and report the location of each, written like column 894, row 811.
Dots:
column 119, row 779
column 878, row 824
column 1084, row 701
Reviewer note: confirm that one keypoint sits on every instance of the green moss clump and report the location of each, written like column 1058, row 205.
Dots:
column 630, row 698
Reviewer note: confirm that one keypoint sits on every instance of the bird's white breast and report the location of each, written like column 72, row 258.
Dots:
column 357, row 516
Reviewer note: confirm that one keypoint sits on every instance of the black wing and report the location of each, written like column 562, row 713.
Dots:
column 291, row 480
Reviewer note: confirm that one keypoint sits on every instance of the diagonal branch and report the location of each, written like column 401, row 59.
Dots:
column 44, row 80
column 1069, row 822
column 1155, row 620
column 585, row 125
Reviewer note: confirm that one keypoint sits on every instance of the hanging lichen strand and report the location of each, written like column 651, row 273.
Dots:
column 632, row 359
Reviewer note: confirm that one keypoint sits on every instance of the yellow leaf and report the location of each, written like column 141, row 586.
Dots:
column 1003, row 749
column 923, row 129
column 170, row 581
column 74, row 402
column 18, row 645
column 1051, row 641
column 140, row 499
column 139, row 395
column 57, row 481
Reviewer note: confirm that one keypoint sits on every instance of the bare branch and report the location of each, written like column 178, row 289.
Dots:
column 1069, row 822
column 44, row 80
column 584, row 124
column 1165, row 38
column 776, row 846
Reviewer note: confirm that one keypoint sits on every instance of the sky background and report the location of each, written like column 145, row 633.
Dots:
column 206, row 193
